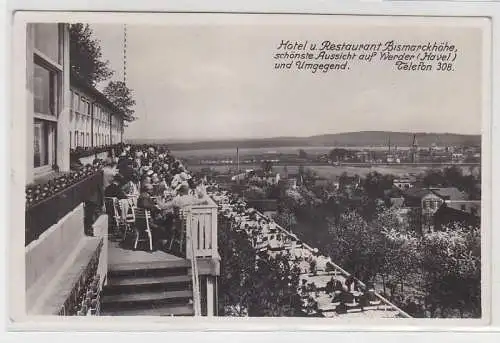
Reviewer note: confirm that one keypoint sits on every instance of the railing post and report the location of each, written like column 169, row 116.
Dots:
column 189, row 233
column 214, row 232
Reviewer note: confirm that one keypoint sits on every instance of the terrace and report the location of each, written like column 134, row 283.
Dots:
column 143, row 282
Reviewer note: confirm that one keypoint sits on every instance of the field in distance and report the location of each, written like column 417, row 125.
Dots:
column 332, row 172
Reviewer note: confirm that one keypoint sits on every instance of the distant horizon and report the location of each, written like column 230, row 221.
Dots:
column 229, row 139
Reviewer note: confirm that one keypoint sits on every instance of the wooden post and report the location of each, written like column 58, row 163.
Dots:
column 214, row 232
column 210, row 296
column 189, row 233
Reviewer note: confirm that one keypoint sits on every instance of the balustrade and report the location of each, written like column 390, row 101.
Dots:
column 201, row 226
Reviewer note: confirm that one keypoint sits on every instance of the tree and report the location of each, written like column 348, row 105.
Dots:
column 285, row 218
column 255, row 193
column 452, row 271
column 273, row 288
column 401, row 256
column 237, row 264
column 121, row 96
column 357, row 246
column 434, row 178
column 251, row 284
column 86, row 56
column 375, row 184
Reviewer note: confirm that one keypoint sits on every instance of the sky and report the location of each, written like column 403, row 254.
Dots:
column 217, row 81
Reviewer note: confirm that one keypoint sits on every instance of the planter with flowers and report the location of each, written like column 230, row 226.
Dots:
column 47, row 203
column 80, row 152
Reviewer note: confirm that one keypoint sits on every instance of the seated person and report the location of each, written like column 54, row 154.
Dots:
column 349, row 282
column 329, row 288
column 145, row 199
column 130, row 188
column 146, row 202
column 182, row 199
column 114, row 190
column 337, row 286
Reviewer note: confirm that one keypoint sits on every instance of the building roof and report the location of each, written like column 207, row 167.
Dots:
column 449, row 193
column 446, row 193
column 78, row 82
column 416, row 192
column 469, row 206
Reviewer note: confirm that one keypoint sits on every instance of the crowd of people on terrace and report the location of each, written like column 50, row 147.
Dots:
column 152, row 179
column 324, row 288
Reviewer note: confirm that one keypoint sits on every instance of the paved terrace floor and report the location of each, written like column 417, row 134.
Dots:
column 121, row 254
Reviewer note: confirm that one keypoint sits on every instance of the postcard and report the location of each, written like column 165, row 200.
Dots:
column 226, row 168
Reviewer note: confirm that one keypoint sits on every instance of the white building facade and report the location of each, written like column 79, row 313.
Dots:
column 94, row 120
column 47, row 99
column 62, row 112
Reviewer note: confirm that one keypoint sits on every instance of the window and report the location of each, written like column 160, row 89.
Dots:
column 81, row 104
column 88, row 140
column 74, row 101
column 78, row 102
column 82, row 139
column 47, row 40
column 76, row 138
column 70, row 142
column 43, row 143
column 44, row 90
column 436, row 204
column 427, row 204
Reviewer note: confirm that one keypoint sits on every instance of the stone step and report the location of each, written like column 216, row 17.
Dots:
column 166, row 310
column 180, row 263
column 141, row 270
column 132, row 299
column 117, row 281
column 128, row 284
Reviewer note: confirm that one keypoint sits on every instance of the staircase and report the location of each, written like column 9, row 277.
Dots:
column 148, row 289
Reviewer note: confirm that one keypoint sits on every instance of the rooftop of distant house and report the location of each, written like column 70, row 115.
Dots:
column 445, row 193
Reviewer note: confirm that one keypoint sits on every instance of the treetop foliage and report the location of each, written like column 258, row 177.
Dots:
column 86, row 56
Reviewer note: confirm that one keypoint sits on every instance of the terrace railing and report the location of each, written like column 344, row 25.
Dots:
column 201, row 226
column 42, row 215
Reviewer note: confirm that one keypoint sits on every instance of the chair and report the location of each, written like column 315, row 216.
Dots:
column 142, row 218
column 127, row 208
column 133, row 198
column 112, row 208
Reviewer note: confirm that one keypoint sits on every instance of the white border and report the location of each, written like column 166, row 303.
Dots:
column 398, row 8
